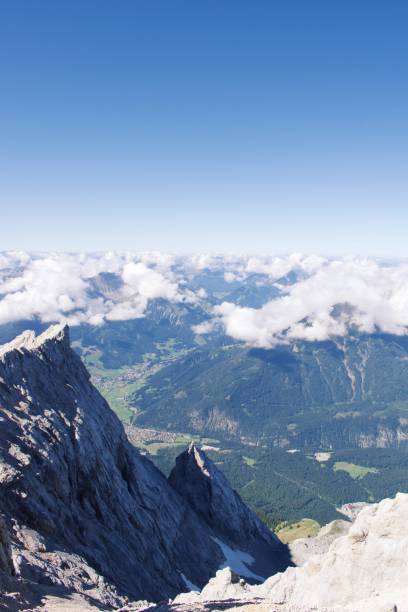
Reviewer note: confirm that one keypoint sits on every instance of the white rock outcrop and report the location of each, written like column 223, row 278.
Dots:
column 302, row 549
column 362, row 570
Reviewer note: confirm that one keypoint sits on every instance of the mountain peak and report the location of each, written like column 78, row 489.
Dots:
column 199, row 481
column 78, row 493
column 29, row 341
column 201, row 460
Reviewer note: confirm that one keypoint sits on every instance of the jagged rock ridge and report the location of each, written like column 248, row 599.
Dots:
column 70, row 475
column 85, row 510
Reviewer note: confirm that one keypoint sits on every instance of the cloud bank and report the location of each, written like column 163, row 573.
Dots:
column 79, row 288
column 335, row 296
column 317, row 298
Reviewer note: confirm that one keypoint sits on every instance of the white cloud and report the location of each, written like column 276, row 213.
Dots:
column 140, row 279
column 45, row 288
column 239, row 267
column 65, row 287
column 278, row 267
column 142, row 284
column 321, row 300
column 337, row 294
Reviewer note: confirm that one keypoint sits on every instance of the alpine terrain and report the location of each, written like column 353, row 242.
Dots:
column 83, row 512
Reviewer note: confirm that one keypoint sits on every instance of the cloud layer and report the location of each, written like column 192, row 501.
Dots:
column 79, row 288
column 335, row 296
column 318, row 298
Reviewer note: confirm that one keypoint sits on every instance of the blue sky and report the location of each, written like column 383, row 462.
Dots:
column 255, row 126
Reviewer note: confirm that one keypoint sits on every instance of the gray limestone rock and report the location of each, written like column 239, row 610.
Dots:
column 6, row 560
column 364, row 569
column 236, row 527
column 304, row 548
column 85, row 510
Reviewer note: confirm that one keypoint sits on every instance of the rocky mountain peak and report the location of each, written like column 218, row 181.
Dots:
column 201, row 460
column 204, row 487
column 86, row 512
column 28, row 341
column 78, row 493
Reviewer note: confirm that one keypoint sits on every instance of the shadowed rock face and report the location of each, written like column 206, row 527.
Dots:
column 208, row 493
column 6, row 561
column 88, row 510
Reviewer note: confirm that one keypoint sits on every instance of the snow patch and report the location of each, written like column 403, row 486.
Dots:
column 237, row 560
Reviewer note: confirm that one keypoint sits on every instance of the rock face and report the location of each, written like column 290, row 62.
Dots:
column 352, row 510
column 87, row 508
column 304, row 548
column 236, row 527
column 363, row 569
column 86, row 512
column 6, row 560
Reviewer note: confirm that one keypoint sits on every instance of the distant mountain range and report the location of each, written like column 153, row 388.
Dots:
column 346, row 393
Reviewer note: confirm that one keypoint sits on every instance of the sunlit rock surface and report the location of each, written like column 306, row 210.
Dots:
column 364, row 569
column 85, row 510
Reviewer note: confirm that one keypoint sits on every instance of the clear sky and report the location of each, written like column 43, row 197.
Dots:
column 217, row 125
